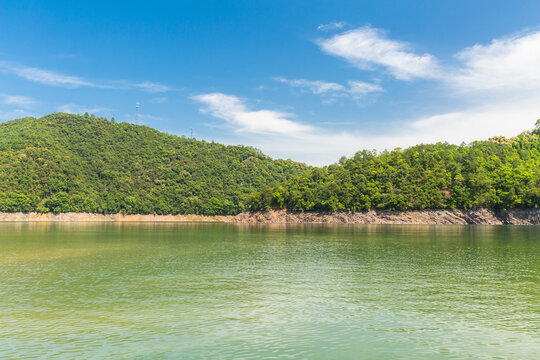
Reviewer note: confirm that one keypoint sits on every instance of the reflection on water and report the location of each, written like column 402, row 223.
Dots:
column 268, row 291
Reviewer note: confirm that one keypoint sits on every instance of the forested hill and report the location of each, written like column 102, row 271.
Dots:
column 499, row 173
column 64, row 163
column 74, row 163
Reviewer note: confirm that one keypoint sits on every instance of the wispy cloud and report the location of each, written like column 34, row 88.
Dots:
column 317, row 87
column 508, row 64
column 277, row 135
column 334, row 25
column 331, row 90
column 46, row 77
column 152, row 87
column 160, row 100
column 495, row 86
column 17, row 100
column 368, row 48
column 53, row 78
column 362, row 88
column 235, row 112
column 499, row 81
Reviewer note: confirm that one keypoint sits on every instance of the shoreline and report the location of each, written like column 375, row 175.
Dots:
column 420, row 217
column 92, row 217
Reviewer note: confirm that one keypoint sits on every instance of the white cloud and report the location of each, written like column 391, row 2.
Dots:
column 235, row 112
column 495, row 89
column 367, row 47
column 17, row 100
column 361, row 88
column 323, row 146
column 332, row 26
column 501, row 83
column 507, row 65
column 152, row 87
column 280, row 137
column 315, row 86
column 53, row 78
column 45, row 76
column 476, row 123
column 331, row 90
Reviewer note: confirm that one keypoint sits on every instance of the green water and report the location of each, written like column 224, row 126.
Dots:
column 218, row 291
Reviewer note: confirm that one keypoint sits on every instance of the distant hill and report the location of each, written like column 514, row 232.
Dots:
column 499, row 173
column 74, row 163
column 80, row 163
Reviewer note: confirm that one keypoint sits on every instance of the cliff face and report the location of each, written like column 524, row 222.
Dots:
column 481, row 216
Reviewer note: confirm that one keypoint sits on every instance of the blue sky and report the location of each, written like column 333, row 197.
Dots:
column 307, row 80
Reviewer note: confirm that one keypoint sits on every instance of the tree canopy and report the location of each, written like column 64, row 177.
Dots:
column 81, row 163
column 498, row 173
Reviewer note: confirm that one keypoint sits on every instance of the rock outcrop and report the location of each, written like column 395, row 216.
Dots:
column 480, row 216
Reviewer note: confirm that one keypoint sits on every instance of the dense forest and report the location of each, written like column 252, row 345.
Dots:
column 81, row 163
column 64, row 163
column 499, row 173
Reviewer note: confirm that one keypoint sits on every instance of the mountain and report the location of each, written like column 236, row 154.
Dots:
column 499, row 173
column 80, row 163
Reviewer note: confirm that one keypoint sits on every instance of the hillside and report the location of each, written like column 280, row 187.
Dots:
column 499, row 173
column 79, row 163
column 74, row 163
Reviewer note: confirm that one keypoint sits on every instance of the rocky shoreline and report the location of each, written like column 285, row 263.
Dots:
column 480, row 216
column 433, row 217
column 89, row 217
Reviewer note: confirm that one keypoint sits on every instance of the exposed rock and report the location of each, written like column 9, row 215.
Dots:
column 480, row 216
column 70, row 217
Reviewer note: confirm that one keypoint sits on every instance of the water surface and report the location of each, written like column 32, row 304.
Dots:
column 194, row 291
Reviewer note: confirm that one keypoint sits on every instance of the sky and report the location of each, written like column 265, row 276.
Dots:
column 307, row 80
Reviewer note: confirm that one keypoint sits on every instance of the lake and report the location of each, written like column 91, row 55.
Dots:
column 227, row 291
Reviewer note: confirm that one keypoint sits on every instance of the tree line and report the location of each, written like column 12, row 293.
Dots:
column 499, row 173
column 82, row 163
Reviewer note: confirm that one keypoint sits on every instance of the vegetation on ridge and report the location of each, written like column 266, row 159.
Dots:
column 498, row 173
column 65, row 163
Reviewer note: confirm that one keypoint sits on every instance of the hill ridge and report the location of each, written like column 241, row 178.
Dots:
column 64, row 162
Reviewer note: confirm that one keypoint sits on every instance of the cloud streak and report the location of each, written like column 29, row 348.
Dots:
column 323, row 146
column 332, row 26
column 368, row 48
column 17, row 100
column 235, row 112
column 53, row 78
column 505, row 65
column 331, row 90
column 496, row 87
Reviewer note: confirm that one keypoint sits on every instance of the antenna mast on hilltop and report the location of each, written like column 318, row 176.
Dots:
column 137, row 106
